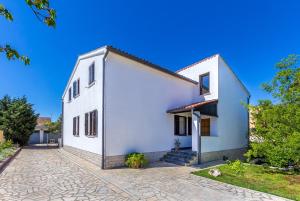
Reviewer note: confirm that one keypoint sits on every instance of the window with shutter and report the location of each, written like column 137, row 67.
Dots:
column 179, row 125
column 205, row 127
column 74, row 126
column 190, row 125
column 77, row 133
column 74, row 89
column 86, row 123
column 91, row 73
column 70, row 93
column 78, row 86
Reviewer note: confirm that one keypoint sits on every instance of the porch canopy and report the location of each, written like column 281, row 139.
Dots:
column 208, row 107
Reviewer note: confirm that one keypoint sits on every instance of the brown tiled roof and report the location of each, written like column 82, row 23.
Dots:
column 43, row 120
column 191, row 106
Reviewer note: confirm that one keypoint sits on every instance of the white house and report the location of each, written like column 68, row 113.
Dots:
column 116, row 103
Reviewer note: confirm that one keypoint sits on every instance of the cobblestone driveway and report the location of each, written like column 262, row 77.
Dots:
column 52, row 174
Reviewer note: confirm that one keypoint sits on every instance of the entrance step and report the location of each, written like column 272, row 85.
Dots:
column 181, row 157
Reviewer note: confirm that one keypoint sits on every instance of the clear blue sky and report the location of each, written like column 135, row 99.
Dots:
column 251, row 35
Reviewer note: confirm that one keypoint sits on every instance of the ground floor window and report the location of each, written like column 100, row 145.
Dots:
column 205, row 127
column 76, row 126
column 91, row 122
column 180, row 125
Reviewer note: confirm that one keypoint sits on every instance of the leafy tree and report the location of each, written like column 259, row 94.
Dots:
column 43, row 12
column 55, row 127
column 277, row 126
column 17, row 119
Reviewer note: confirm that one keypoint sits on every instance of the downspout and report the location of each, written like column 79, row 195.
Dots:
column 198, row 136
column 103, row 99
column 62, row 122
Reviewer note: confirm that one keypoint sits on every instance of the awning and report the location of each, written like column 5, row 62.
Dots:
column 208, row 107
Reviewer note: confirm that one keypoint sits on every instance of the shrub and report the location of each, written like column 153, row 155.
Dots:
column 136, row 160
column 6, row 144
column 17, row 119
column 237, row 167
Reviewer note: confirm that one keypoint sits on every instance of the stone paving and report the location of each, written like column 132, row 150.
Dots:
column 54, row 174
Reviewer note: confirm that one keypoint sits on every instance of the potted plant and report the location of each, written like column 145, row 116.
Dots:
column 177, row 144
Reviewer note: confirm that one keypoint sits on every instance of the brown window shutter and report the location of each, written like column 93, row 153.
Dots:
column 176, row 125
column 190, row 125
column 96, row 123
column 86, row 123
column 74, row 126
column 91, row 123
column 78, row 125
column 78, row 86
column 90, row 74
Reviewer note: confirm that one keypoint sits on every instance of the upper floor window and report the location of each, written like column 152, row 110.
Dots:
column 91, row 73
column 204, row 83
column 76, row 126
column 91, row 121
column 70, row 93
column 76, row 88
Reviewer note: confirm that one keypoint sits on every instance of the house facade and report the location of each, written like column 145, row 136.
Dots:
column 115, row 103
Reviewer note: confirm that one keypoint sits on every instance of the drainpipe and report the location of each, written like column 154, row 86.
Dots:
column 103, row 101
column 198, row 136
column 62, row 123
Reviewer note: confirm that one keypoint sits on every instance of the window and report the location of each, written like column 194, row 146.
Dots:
column 76, row 88
column 190, row 125
column 180, row 125
column 205, row 127
column 70, row 93
column 92, row 73
column 91, row 123
column 76, row 126
column 204, row 83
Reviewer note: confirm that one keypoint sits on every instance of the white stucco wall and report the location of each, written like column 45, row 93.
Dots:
column 90, row 98
column 232, row 121
column 193, row 72
column 136, row 100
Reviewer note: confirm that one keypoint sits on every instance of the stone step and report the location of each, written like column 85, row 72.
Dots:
column 180, row 155
column 177, row 162
column 183, row 157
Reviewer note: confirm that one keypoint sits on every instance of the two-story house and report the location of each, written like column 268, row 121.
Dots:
column 116, row 103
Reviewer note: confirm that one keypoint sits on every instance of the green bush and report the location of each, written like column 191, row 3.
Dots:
column 136, row 160
column 6, row 144
column 277, row 123
column 237, row 167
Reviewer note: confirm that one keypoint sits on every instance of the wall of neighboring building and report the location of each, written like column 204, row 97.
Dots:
column 90, row 98
column 232, row 125
column 136, row 100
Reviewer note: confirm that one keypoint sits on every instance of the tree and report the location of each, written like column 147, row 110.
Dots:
column 278, row 125
column 55, row 127
column 43, row 12
column 17, row 119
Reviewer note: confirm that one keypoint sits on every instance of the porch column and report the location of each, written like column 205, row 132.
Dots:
column 41, row 136
column 196, row 140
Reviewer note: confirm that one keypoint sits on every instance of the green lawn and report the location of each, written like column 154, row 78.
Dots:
column 261, row 179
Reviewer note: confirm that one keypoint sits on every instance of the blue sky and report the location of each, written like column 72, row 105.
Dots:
column 251, row 35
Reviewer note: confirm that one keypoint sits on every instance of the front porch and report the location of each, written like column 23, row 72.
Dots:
column 194, row 123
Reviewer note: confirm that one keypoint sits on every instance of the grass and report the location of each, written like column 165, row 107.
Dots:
column 284, row 184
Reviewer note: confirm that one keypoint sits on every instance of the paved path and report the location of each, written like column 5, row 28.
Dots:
column 52, row 174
